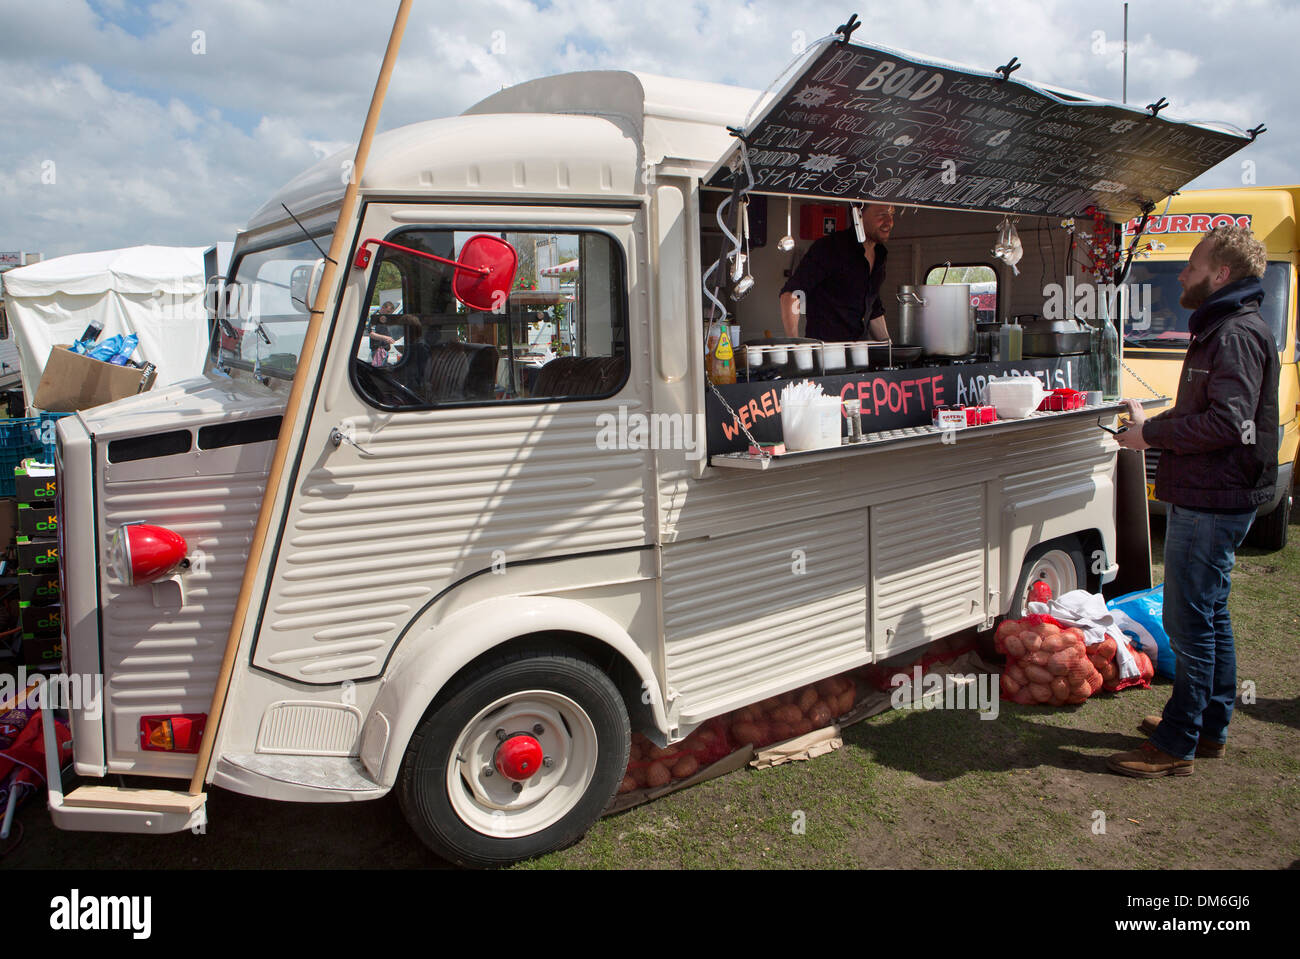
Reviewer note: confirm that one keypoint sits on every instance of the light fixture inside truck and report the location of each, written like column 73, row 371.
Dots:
column 141, row 553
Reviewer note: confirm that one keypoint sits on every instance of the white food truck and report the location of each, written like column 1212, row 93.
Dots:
column 466, row 596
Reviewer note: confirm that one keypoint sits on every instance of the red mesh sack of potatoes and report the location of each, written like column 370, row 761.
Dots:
column 1047, row 664
column 793, row 713
column 1104, row 656
column 650, row 766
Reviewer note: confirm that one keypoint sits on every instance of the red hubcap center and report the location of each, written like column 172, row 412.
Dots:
column 519, row 757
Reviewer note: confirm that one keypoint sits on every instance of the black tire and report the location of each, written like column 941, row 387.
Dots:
column 1050, row 562
column 1269, row 531
column 588, row 743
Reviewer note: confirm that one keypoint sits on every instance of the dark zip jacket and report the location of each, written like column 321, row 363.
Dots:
column 1219, row 443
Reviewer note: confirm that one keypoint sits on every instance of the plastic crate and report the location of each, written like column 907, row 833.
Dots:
column 23, row 437
column 43, row 433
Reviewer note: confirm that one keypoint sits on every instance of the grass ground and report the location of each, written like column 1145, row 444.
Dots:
column 909, row 789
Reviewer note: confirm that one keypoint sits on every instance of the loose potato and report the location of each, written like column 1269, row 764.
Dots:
column 802, row 727
column 638, row 774
column 1017, row 672
column 628, row 784
column 1015, row 647
column 1060, row 688
column 1009, row 686
column 780, row 732
column 806, row 699
column 746, row 734
column 657, row 775
column 846, row 701
column 1040, row 692
column 769, row 704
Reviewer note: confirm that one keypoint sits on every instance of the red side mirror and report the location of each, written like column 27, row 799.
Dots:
column 480, row 290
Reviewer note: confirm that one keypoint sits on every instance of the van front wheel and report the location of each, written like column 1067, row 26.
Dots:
column 518, row 761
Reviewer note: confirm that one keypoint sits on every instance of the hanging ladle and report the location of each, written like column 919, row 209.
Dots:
column 786, row 243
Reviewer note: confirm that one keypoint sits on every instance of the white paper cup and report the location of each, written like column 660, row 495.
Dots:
column 803, row 357
column 780, row 355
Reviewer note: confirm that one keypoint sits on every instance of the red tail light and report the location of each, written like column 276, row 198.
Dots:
column 141, row 553
column 180, row 733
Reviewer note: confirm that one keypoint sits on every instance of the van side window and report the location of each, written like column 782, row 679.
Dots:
column 561, row 333
column 983, row 280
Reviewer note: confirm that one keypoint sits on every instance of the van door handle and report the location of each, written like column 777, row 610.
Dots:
column 338, row 438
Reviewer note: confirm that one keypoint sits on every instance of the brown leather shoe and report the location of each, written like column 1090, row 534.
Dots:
column 1148, row 762
column 1204, row 750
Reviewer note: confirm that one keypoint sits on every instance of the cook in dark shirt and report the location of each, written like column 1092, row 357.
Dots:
column 840, row 280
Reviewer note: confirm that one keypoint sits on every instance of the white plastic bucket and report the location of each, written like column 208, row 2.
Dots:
column 811, row 426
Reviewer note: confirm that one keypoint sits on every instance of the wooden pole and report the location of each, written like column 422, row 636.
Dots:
column 294, row 409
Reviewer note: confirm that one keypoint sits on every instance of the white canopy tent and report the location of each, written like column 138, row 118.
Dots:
column 155, row 292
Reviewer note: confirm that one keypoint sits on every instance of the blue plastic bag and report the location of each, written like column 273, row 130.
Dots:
column 125, row 350
column 105, row 350
column 1146, row 608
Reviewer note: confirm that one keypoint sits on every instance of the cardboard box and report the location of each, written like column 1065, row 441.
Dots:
column 38, row 522
column 42, row 652
column 39, row 589
column 73, row 382
column 40, row 621
column 40, row 556
column 34, row 490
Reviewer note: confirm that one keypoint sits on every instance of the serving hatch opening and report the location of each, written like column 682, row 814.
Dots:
column 869, row 124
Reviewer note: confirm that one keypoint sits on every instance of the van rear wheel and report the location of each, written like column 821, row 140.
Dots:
column 518, row 761
column 1059, row 564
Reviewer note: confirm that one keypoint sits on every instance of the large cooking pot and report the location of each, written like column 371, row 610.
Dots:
column 945, row 318
column 906, row 329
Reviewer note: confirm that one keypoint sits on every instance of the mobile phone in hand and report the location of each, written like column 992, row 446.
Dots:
column 1123, row 428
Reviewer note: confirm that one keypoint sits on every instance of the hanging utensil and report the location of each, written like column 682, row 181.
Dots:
column 786, row 243
column 744, row 282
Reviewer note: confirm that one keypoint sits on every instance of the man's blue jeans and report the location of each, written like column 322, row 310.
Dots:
column 1200, row 550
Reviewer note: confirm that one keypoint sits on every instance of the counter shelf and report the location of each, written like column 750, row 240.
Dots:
column 912, row 436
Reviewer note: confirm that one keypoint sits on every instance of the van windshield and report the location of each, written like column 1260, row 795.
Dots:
column 264, row 314
column 1154, row 285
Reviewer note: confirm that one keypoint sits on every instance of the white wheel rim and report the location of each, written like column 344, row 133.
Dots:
column 1056, row 569
column 487, row 801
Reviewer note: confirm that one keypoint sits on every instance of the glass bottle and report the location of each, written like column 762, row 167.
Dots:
column 1108, row 355
column 1109, row 361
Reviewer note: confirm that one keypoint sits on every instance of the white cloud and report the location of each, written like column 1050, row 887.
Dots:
column 154, row 143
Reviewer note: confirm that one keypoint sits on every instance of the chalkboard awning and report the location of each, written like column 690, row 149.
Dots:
column 865, row 123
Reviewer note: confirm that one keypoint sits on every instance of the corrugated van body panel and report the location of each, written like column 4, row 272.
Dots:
column 928, row 567
column 443, row 495
column 766, row 609
column 162, row 654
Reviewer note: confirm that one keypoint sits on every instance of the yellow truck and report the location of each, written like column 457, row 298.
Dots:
column 1155, row 326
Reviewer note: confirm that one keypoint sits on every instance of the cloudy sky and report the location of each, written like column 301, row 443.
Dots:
column 171, row 122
